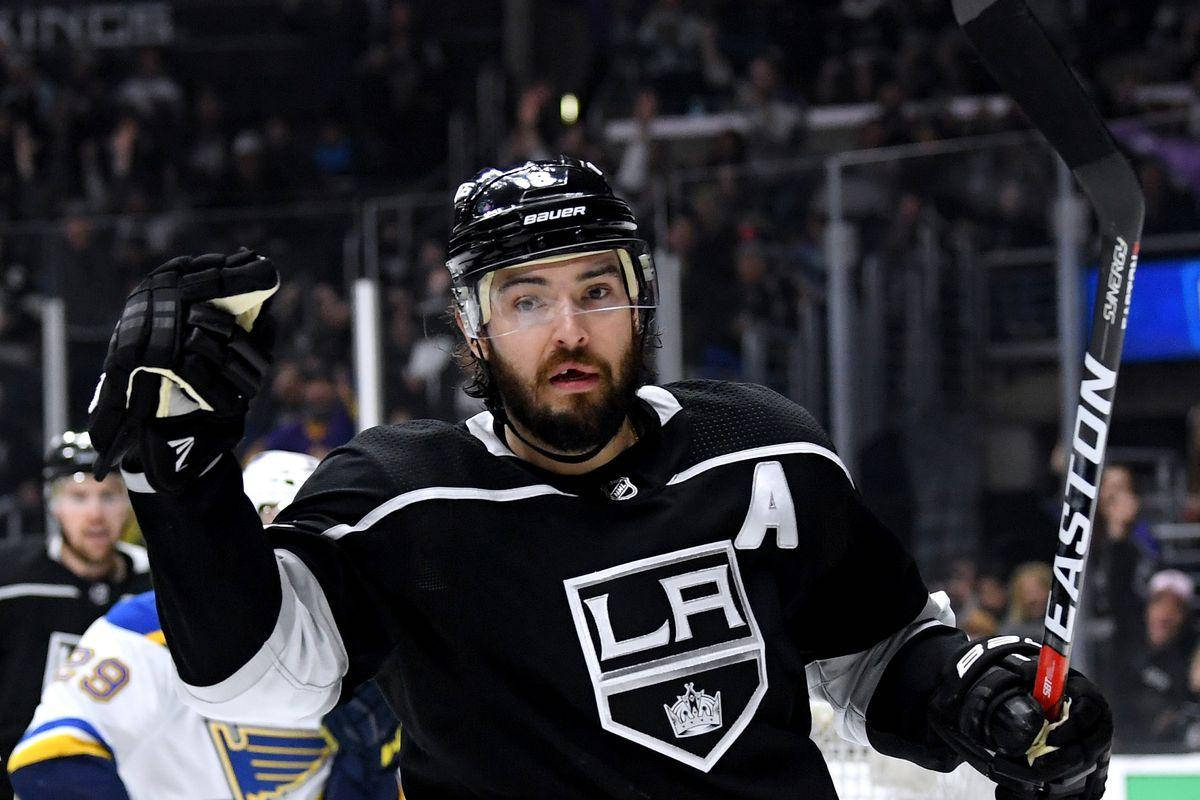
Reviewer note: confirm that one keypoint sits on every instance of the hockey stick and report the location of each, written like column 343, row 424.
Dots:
column 1021, row 58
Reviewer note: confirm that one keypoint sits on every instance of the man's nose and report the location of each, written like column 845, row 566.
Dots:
column 569, row 328
column 94, row 507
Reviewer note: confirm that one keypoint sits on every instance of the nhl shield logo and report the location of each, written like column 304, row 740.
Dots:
column 673, row 650
column 621, row 489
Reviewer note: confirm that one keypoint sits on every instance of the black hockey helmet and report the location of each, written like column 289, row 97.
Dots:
column 69, row 454
column 541, row 210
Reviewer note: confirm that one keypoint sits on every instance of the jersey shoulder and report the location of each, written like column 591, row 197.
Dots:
column 26, row 561
column 138, row 559
column 424, row 453
column 137, row 614
column 726, row 417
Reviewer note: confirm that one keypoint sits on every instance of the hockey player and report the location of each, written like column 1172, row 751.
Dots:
column 598, row 587
column 51, row 589
column 111, row 725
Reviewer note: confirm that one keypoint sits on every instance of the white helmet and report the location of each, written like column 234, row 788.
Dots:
column 273, row 477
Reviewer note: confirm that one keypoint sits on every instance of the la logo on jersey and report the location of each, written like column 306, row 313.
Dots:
column 674, row 652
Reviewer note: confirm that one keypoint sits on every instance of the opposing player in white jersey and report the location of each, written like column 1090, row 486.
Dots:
column 111, row 724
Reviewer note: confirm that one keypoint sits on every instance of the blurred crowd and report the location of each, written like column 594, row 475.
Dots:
column 1138, row 629
column 112, row 161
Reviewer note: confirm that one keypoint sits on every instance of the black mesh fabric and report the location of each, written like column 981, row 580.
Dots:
column 726, row 417
column 424, row 452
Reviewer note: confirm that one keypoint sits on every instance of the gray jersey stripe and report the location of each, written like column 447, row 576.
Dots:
column 760, row 452
column 441, row 493
column 38, row 590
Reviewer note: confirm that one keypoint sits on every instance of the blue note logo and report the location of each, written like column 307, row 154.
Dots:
column 269, row 763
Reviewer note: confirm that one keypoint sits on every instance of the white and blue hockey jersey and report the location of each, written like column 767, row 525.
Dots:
column 114, row 707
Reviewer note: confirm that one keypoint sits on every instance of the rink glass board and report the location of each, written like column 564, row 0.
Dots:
column 1162, row 787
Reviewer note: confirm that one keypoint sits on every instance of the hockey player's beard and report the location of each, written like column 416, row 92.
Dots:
column 591, row 421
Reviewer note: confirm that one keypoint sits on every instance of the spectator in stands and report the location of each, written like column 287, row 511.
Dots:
column 527, row 141
column 679, row 57
column 828, row 87
column 207, row 158
column 334, row 156
column 1149, row 708
column 401, row 94
column 135, row 159
column 1121, row 559
column 1192, row 509
column 633, row 174
column 960, row 584
column 322, row 424
column 285, row 167
column 248, row 181
column 991, row 594
column 1029, row 589
column 150, row 91
column 776, row 122
column 979, row 624
column 22, row 150
column 708, row 284
column 761, row 299
column 330, row 320
column 1191, row 711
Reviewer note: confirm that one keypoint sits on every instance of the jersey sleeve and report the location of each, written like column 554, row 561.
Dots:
column 70, row 778
column 332, row 627
column 862, row 598
column 101, row 705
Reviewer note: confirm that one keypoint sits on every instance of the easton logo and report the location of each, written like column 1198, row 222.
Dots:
column 558, row 213
column 1083, row 476
column 183, row 448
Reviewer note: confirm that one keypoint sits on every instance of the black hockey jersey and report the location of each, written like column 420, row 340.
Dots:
column 44, row 609
column 639, row 631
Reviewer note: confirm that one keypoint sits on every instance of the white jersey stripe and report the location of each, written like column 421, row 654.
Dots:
column 482, row 425
column 661, row 400
column 539, row 490
column 760, row 452
column 442, row 493
column 38, row 590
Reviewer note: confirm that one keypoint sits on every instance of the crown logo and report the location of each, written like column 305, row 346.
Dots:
column 694, row 712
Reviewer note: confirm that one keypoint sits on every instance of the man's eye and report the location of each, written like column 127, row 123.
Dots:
column 526, row 303
column 599, row 292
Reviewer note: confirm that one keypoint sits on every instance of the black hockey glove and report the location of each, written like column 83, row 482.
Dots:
column 985, row 711
column 190, row 350
column 368, row 738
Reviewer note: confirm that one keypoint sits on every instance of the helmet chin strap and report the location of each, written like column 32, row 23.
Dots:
column 502, row 419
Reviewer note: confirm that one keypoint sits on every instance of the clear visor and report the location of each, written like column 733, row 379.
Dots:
column 590, row 287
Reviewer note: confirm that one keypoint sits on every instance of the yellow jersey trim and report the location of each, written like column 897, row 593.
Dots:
column 62, row 745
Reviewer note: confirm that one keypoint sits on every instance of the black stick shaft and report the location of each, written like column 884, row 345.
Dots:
column 1020, row 56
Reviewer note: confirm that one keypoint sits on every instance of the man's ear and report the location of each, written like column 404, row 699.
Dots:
column 476, row 346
